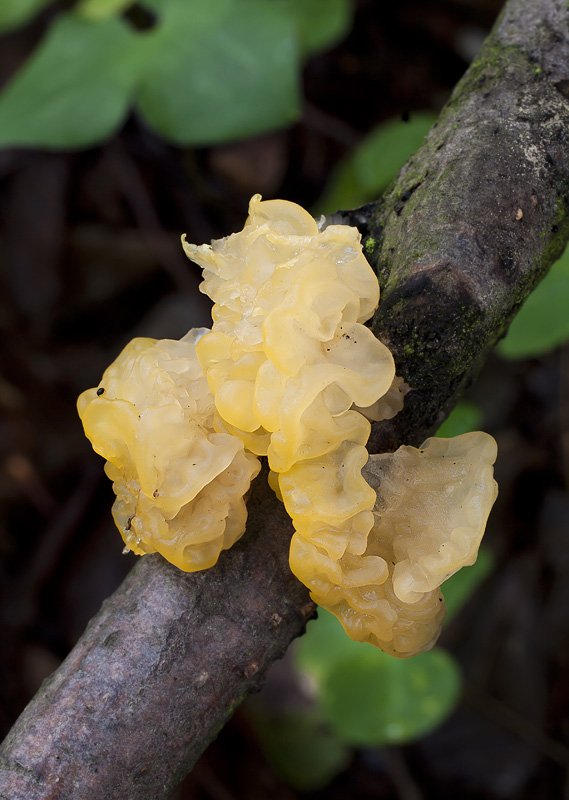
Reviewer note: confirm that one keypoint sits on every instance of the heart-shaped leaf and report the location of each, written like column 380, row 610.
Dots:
column 75, row 89
column 219, row 70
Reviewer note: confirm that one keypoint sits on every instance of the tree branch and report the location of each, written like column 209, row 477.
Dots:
column 476, row 217
column 159, row 671
column 472, row 223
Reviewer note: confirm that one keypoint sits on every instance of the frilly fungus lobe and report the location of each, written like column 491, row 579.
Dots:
column 296, row 375
column 179, row 483
column 291, row 373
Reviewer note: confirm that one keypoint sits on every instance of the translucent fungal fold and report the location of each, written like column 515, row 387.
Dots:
column 291, row 372
column 430, row 513
column 179, row 483
column 298, row 377
column 433, row 503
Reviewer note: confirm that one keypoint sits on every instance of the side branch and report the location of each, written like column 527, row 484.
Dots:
column 472, row 223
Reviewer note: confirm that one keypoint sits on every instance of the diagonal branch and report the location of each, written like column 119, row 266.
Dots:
column 470, row 226
column 476, row 217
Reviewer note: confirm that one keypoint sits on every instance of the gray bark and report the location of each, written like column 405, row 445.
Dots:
column 159, row 671
column 476, row 217
column 470, row 226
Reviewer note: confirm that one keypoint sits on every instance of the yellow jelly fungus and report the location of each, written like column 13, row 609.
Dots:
column 359, row 591
column 288, row 354
column 291, row 372
column 290, row 362
column 430, row 513
column 289, row 358
column 297, row 376
column 389, row 405
column 179, row 483
column 433, row 503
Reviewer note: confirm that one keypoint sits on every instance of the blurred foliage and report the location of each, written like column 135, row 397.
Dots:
column 370, row 698
column 375, row 162
column 76, row 87
column 542, row 323
column 363, row 697
column 320, row 24
column 465, row 417
column 14, row 13
column 206, row 71
column 101, row 9
column 302, row 748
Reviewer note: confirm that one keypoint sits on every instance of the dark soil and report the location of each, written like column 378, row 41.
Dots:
column 90, row 254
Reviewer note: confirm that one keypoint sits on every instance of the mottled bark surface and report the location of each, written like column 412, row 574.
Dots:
column 476, row 217
column 472, row 223
column 159, row 670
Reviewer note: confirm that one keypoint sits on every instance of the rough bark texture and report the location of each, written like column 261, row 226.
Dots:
column 472, row 223
column 476, row 217
column 159, row 670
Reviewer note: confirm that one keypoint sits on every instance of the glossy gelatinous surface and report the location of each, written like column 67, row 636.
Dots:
column 297, row 376
column 429, row 517
column 433, row 503
column 179, row 483
column 288, row 361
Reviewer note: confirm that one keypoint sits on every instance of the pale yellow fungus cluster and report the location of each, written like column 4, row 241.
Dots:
column 294, row 375
column 430, row 512
column 287, row 359
column 288, row 354
column 433, row 502
column 179, row 483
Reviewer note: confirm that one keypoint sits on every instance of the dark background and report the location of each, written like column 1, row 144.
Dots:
column 90, row 257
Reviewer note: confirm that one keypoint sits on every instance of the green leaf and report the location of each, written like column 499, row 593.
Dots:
column 324, row 644
column 218, row 70
column 371, row 698
column 208, row 71
column 542, row 324
column 460, row 586
column 375, row 162
column 101, row 9
column 320, row 23
column 76, row 87
column 301, row 748
column 374, row 699
column 464, row 417
column 14, row 13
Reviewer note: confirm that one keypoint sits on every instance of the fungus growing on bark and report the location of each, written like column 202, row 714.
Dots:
column 287, row 360
column 432, row 504
column 430, row 513
column 179, row 483
column 297, row 376
column 294, row 375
